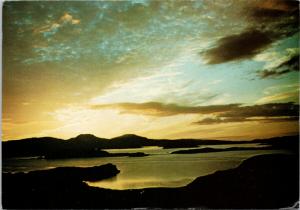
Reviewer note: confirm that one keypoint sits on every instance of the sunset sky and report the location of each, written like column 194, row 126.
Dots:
column 161, row 69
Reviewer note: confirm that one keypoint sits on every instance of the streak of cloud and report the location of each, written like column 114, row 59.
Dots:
column 290, row 65
column 223, row 113
column 160, row 109
column 210, row 121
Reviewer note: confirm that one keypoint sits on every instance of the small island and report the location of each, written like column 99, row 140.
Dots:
column 209, row 149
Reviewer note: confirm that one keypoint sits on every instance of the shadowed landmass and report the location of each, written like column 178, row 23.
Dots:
column 87, row 145
column 283, row 143
column 65, row 174
column 89, row 153
column 208, row 149
column 265, row 181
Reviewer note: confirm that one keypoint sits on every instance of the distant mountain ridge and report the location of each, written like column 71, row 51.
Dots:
column 88, row 145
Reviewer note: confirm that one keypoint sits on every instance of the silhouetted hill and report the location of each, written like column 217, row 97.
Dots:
column 130, row 137
column 31, row 147
column 261, row 182
column 87, row 138
column 130, row 141
column 82, row 146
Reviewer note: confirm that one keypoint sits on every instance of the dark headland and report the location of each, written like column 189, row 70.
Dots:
column 290, row 143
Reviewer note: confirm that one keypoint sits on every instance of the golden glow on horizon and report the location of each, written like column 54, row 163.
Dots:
column 108, row 123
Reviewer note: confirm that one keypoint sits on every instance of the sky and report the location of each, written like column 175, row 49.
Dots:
column 161, row 69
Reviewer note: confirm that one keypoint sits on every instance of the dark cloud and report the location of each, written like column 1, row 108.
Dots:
column 285, row 67
column 272, row 73
column 210, row 121
column 236, row 47
column 292, row 63
column 160, row 109
column 264, row 110
column 270, row 9
column 280, row 18
column 273, row 112
column 268, row 21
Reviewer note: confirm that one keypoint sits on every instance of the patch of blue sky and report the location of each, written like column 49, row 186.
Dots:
column 73, row 10
column 198, row 4
column 50, row 33
column 125, row 41
column 112, row 6
column 142, row 2
column 54, row 53
column 290, row 42
column 228, row 78
column 26, row 21
column 157, row 35
column 100, row 16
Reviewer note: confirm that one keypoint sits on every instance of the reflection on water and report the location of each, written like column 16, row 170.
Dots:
column 160, row 169
column 114, row 183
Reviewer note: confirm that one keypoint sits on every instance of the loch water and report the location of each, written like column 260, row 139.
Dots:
column 159, row 169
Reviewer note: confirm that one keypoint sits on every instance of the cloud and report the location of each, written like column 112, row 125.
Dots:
column 211, row 121
column 290, row 64
column 160, row 109
column 239, row 46
column 222, row 113
column 267, row 22
column 67, row 18
column 273, row 112
column 269, row 10
column 217, row 120
column 279, row 18
column 52, row 28
column 285, row 96
column 274, row 73
column 264, row 110
column 48, row 28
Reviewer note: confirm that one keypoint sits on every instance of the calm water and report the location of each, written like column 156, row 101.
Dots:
column 160, row 169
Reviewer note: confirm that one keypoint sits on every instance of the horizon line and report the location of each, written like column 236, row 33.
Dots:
column 130, row 134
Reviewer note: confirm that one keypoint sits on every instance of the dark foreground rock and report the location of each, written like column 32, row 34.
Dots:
column 50, row 188
column 265, row 181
